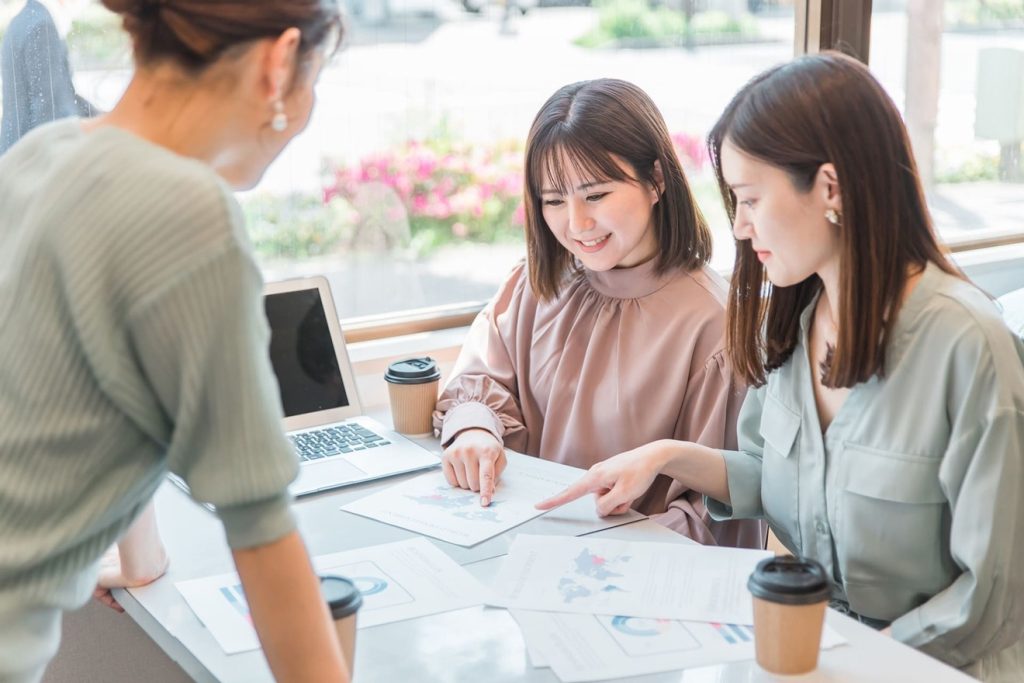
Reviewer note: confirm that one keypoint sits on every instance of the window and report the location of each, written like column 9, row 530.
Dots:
column 405, row 189
column 956, row 70
column 416, row 144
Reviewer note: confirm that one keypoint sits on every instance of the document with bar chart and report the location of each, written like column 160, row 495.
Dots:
column 582, row 647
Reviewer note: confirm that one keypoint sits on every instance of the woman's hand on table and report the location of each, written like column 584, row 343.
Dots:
column 475, row 460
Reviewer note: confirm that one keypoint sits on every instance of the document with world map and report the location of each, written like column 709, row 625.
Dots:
column 633, row 579
column 430, row 506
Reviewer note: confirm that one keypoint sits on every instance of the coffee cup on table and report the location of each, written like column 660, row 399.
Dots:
column 790, row 596
column 412, row 389
column 343, row 600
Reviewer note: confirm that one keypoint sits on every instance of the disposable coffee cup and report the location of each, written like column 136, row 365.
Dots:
column 790, row 596
column 412, row 389
column 343, row 600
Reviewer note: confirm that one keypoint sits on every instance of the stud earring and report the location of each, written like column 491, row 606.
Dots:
column 280, row 121
column 833, row 216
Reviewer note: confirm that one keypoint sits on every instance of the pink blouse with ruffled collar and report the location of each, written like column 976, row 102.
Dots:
column 619, row 359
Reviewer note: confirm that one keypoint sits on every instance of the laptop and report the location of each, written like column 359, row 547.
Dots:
column 336, row 443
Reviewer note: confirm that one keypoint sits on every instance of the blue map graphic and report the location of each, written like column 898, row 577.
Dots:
column 462, row 504
column 590, row 566
column 595, row 566
column 571, row 590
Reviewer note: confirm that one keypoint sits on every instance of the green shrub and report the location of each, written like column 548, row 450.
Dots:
column 297, row 225
column 968, row 13
column 97, row 40
column 972, row 168
column 636, row 22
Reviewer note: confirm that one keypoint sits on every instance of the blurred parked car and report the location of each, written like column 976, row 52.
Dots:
column 523, row 6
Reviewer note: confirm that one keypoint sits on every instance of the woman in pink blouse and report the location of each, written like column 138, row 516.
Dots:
column 611, row 335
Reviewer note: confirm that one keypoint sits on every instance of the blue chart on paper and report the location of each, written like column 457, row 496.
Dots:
column 462, row 504
column 591, row 574
column 369, row 585
column 644, row 628
column 236, row 598
column 379, row 588
column 640, row 637
column 734, row 634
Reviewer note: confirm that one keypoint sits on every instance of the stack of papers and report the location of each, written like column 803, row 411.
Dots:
column 581, row 647
column 593, row 609
column 402, row 580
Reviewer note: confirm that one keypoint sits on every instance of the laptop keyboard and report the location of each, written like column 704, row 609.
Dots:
column 330, row 441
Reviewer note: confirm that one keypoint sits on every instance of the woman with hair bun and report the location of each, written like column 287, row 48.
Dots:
column 132, row 333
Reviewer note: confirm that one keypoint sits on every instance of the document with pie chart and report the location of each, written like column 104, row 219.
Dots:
column 584, row 647
column 398, row 581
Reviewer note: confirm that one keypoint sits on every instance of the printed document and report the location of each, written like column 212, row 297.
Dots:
column 638, row 579
column 582, row 647
column 428, row 505
column 398, row 581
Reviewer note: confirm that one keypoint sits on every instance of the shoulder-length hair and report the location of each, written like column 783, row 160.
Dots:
column 818, row 109
column 588, row 125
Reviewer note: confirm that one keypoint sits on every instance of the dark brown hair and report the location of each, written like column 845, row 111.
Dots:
column 817, row 109
column 196, row 33
column 587, row 124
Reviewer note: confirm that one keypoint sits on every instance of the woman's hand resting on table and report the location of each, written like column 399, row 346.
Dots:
column 137, row 559
column 475, row 460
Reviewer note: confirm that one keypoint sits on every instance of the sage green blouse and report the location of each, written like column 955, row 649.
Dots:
column 913, row 499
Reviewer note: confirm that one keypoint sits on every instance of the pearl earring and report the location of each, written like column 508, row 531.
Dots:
column 280, row 121
column 833, row 216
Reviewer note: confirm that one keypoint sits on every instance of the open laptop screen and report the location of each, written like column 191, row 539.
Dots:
column 303, row 354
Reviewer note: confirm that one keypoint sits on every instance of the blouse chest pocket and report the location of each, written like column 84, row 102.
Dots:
column 894, row 529
column 780, row 473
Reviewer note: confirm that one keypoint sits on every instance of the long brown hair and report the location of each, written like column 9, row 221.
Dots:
column 588, row 124
column 195, row 33
column 818, row 109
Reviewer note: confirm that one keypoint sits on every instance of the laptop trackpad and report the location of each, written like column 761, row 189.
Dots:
column 328, row 474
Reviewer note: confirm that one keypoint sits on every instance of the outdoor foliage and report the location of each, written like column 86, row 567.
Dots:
column 984, row 13
column 638, row 23
column 446, row 190
column 415, row 197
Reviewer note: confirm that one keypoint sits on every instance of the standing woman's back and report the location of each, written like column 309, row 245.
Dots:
column 133, row 340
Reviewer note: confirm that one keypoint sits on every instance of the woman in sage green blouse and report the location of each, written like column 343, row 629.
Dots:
column 883, row 437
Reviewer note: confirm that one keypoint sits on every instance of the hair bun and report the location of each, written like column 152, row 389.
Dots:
column 127, row 6
column 195, row 33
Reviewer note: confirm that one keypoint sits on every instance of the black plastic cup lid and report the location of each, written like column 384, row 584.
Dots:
column 341, row 595
column 790, row 581
column 413, row 371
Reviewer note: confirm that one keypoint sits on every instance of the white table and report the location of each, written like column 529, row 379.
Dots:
column 475, row 644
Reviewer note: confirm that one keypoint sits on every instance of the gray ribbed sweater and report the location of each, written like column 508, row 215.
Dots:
column 132, row 341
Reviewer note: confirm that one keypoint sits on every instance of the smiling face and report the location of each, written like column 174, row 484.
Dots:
column 604, row 223
column 787, row 228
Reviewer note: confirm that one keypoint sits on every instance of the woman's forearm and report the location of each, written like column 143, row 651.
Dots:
column 697, row 467
column 289, row 612
column 141, row 551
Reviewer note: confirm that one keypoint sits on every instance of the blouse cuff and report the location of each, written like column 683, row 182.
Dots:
column 744, row 473
column 470, row 415
column 254, row 524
